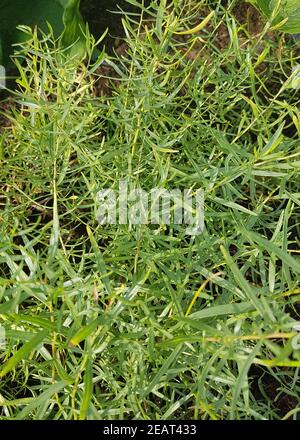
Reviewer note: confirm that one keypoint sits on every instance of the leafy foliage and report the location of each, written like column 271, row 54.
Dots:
column 280, row 10
column 63, row 15
column 112, row 322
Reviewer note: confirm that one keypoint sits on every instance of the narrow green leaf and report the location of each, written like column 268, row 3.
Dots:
column 42, row 399
column 242, row 378
column 226, row 309
column 23, row 352
column 88, row 390
column 99, row 261
column 234, row 206
column 86, row 331
column 273, row 249
column 242, row 282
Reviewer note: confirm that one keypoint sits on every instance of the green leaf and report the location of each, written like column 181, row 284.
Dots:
column 24, row 351
column 100, row 262
column 226, row 309
column 63, row 16
column 273, row 249
column 233, row 205
column 244, row 285
column 88, row 390
column 73, row 28
column 277, row 12
column 242, row 380
column 86, row 331
column 30, row 13
column 41, row 400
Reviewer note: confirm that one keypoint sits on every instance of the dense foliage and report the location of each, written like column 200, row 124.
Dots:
column 143, row 321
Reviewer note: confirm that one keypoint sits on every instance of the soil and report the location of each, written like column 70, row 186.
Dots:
column 264, row 384
column 103, row 14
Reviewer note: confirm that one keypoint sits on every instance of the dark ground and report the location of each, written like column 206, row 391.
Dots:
column 101, row 14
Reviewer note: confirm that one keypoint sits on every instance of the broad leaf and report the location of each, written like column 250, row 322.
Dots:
column 280, row 10
column 63, row 16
